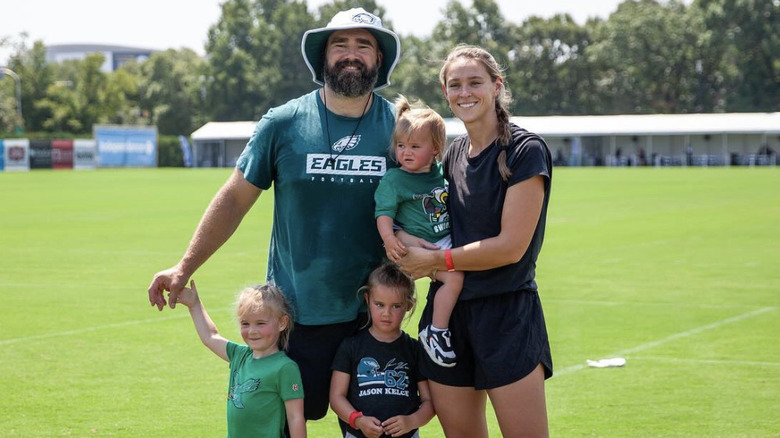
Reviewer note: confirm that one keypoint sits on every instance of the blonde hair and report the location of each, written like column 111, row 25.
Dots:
column 390, row 275
column 267, row 297
column 503, row 99
column 412, row 118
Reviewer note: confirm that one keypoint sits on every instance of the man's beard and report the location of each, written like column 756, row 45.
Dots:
column 350, row 83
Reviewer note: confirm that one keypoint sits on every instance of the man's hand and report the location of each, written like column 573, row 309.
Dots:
column 171, row 280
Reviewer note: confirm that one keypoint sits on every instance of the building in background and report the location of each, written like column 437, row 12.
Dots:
column 218, row 144
column 726, row 139
column 115, row 56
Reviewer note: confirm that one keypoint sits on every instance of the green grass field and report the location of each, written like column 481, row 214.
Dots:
column 677, row 270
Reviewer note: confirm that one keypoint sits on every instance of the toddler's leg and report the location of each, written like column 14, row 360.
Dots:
column 435, row 337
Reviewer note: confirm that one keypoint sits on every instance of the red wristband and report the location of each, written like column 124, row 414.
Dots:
column 354, row 416
column 448, row 260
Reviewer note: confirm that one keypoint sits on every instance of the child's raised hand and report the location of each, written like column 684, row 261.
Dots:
column 189, row 295
column 398, row 425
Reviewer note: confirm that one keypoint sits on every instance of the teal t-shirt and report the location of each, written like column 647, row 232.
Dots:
column 257, row 392
column 417, row 202
column 324, row 240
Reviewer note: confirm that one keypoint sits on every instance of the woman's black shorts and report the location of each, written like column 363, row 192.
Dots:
column 498, row 340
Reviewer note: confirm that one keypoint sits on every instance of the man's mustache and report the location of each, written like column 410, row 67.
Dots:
column 350, row 63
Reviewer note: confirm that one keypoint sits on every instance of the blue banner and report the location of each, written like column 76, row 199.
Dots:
column 186, row 151
column 2, row 155
column 126, row 146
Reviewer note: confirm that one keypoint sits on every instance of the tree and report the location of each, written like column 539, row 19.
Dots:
column 417, row 74
column 123, row 96
column 646, row 59
column 36, row 75
column 169, row 90
column 421, row 59
column 743, row 38
column 481, row 25
column 251, row 66
column 81, row 96
column 548, row 71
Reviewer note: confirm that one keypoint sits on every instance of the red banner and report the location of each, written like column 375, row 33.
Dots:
column 62, row 154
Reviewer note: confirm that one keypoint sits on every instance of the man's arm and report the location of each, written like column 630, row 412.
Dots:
column 219, row 222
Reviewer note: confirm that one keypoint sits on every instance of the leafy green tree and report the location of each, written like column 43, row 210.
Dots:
column 36, row 75
column 81, row 96
column 9, row 118
column 481, row 25
column 123, row 94
column 646, row 59
column 548, row 70
column 417, row 74
column 290, row 22
column 234, row 73
column 169, row 90
column 251, row 61
column 744, row 39
column 91, row 86
column 63, row 105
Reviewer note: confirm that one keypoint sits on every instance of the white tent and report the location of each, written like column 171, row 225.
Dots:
column 659, row 139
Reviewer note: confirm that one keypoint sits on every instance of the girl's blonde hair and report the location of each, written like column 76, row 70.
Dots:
column 412, row 118
column 270, row 298
column 390, row 275
column 503, row 99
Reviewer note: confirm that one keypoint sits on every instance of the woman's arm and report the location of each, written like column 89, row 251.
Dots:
column 520, row 215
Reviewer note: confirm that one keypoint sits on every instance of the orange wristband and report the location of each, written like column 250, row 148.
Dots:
column 354, row 416
column 448, row 260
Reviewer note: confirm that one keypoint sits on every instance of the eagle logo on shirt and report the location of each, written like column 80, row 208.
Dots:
column 346, row 143
column 234, row 395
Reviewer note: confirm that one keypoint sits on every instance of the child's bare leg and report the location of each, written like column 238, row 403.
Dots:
column 446, row 297
column 436, row 337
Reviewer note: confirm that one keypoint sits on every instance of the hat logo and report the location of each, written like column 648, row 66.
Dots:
column 363, row 18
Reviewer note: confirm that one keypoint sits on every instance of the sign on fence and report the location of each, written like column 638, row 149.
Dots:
column 126, row 146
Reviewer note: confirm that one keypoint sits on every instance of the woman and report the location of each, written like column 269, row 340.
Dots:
column 499, row 186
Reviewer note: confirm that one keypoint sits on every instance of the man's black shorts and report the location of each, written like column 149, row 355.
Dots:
column 312, row 347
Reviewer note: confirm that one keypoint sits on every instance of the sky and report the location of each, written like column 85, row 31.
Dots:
column 164, row 24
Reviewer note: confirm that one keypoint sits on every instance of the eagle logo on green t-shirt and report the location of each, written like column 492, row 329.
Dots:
column 234, row 395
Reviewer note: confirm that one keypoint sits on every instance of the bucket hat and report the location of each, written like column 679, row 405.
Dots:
column 314, row 41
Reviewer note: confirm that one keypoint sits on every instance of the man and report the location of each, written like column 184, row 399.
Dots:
column 324, row 154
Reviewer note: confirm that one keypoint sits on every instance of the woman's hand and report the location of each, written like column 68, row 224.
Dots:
column 419, row 262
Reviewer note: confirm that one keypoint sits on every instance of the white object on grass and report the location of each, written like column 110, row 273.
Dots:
column 607, row 363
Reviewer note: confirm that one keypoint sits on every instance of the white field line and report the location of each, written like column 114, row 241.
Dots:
column 647, row 304
column 674, row 337
column 707, row 361
column 32, row 338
